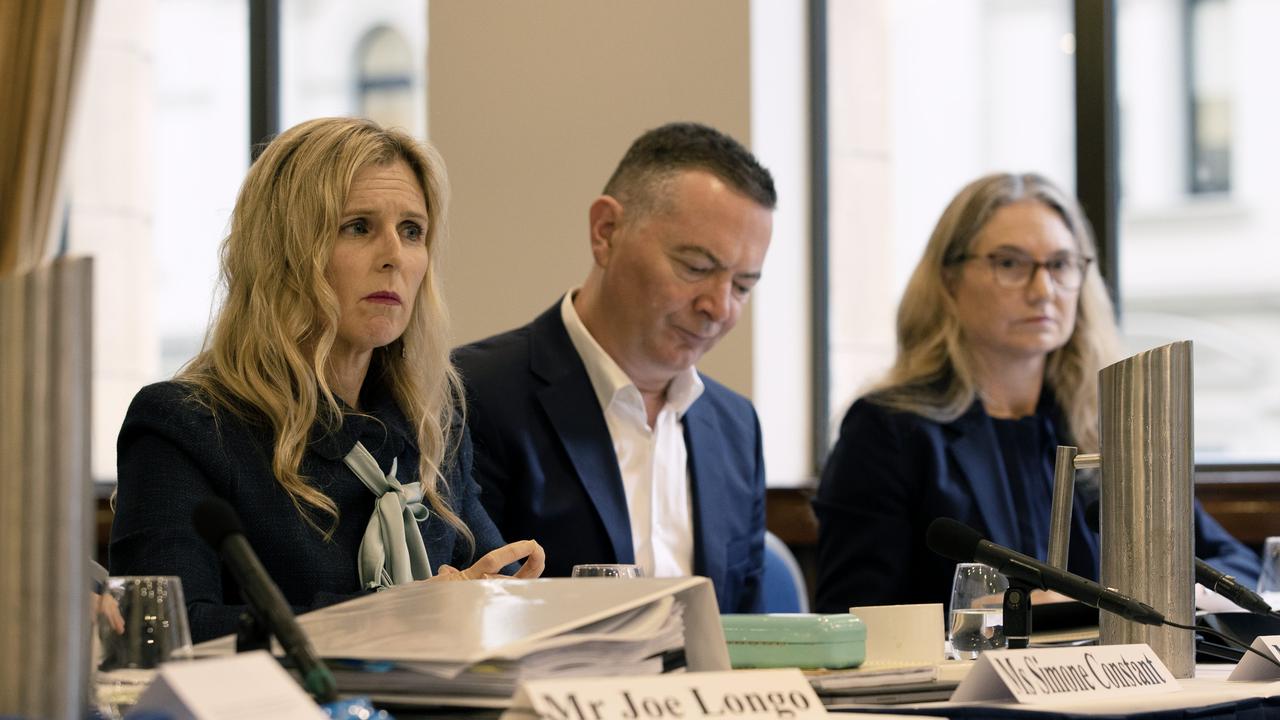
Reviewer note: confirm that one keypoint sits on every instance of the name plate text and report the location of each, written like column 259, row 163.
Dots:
column 740, row 695
column 1066, row 675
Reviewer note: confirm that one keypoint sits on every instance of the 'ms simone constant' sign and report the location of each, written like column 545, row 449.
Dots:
column 1054, row 675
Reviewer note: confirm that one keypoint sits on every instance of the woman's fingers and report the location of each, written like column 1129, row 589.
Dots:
column 494, row 561
column 534, row 563
column 448, row 572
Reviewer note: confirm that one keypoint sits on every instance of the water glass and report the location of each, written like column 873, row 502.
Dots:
column 138, row 623
column 976, row 619
column 1269, row 580
column 613, row 570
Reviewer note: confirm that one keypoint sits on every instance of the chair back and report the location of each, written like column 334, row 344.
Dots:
column 782, row 587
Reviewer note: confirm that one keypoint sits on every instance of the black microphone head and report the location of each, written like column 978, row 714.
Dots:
column 952, row 539
column 214, row 519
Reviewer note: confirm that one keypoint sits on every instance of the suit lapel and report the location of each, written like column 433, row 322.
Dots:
column 977, row 452
column 571, row 405
column 703, row 441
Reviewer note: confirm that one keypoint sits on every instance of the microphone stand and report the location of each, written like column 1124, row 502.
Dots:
column 1017, row 614
column 251, row 633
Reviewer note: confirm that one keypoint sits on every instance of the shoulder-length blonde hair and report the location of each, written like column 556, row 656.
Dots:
column 933, row 372
column 266, row 355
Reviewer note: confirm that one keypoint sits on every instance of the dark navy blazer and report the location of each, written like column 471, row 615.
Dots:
column 892, row 473
column 546, row 462
column 173, row 453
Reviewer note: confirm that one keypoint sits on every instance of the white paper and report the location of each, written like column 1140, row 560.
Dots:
column 902, row 634
column 247, row 686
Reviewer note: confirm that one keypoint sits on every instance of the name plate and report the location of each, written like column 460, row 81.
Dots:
column 1252, row 667
column 1066, row 675
column 197, row 689
column 735, row 695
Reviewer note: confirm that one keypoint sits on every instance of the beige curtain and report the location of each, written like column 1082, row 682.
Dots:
column 46, row 331
column 42, row 45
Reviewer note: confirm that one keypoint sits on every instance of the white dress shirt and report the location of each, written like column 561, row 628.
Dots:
column 653, row 460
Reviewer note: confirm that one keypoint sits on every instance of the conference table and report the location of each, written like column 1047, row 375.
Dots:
column 1208, row 695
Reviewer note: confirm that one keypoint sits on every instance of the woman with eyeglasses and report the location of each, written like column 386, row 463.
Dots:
column 1001, row 332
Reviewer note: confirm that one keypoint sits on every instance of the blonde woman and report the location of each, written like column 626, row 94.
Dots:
column 322, row 406
column 1001, row 333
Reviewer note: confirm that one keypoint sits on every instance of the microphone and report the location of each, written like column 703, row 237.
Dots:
column 1231, row 589
column 219, row 525
column 1208, row 576
column 957, row 541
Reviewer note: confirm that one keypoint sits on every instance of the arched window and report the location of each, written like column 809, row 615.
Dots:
column 385, row 78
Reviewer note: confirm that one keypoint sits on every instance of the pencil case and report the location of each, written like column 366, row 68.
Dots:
column 795, row 640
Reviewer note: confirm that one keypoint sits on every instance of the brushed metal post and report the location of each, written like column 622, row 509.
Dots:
column 1146, row 519
column 1064, row 484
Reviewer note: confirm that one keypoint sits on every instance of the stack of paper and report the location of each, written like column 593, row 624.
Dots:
column 473, row 642
column 887, row 683
column 643, row 641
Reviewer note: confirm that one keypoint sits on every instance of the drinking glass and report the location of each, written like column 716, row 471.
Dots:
column 614, row 570
column 1269, row 580
column 976, row 621
column 138, row 623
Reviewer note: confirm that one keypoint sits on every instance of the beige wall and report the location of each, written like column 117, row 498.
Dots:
column 533, row 103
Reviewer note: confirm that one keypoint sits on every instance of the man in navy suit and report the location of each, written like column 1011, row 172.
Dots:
column 594, row 434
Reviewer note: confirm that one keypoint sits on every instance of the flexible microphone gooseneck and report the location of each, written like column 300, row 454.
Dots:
column 1208, row 576
column 957, row 541
column 219, row 525
column 1231, row 589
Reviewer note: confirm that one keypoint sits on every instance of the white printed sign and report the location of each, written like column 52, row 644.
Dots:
column 197, row 690
column 1252, row 667
column 1066, row 675
column 739, row 695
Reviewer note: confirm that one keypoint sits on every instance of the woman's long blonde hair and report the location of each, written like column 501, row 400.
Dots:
column 266, row 355
column 933, row 372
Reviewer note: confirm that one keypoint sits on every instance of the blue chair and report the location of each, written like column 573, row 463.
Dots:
column 782, row 585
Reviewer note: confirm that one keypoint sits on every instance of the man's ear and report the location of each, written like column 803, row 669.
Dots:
column 605, row 217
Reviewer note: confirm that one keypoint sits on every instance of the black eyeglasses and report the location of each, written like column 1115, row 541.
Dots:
column 1014, row 270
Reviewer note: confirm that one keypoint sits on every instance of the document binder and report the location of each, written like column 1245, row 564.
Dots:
column 474, row 640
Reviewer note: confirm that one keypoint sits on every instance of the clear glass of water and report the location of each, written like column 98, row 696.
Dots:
column 976, row 619
column 1269, row 580
column 139, row 622
column 611, row 570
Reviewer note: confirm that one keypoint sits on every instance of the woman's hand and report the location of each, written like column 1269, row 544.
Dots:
column 490, row 566
column 108, row 611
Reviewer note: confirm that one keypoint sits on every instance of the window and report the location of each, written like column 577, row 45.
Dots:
column 1198, row 247
column 1209, row 95
column 345, row 58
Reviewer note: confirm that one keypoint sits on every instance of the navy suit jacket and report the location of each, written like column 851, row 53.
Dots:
column 892, row 473
column 545, row 462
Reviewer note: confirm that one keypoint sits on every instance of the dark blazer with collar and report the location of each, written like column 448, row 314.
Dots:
column 892, row 473
column 173, row 453
column 546, row 462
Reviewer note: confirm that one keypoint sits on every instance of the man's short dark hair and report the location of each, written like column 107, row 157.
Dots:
column 660, row 153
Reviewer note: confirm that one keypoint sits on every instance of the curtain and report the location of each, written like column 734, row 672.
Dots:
column 42, row 44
